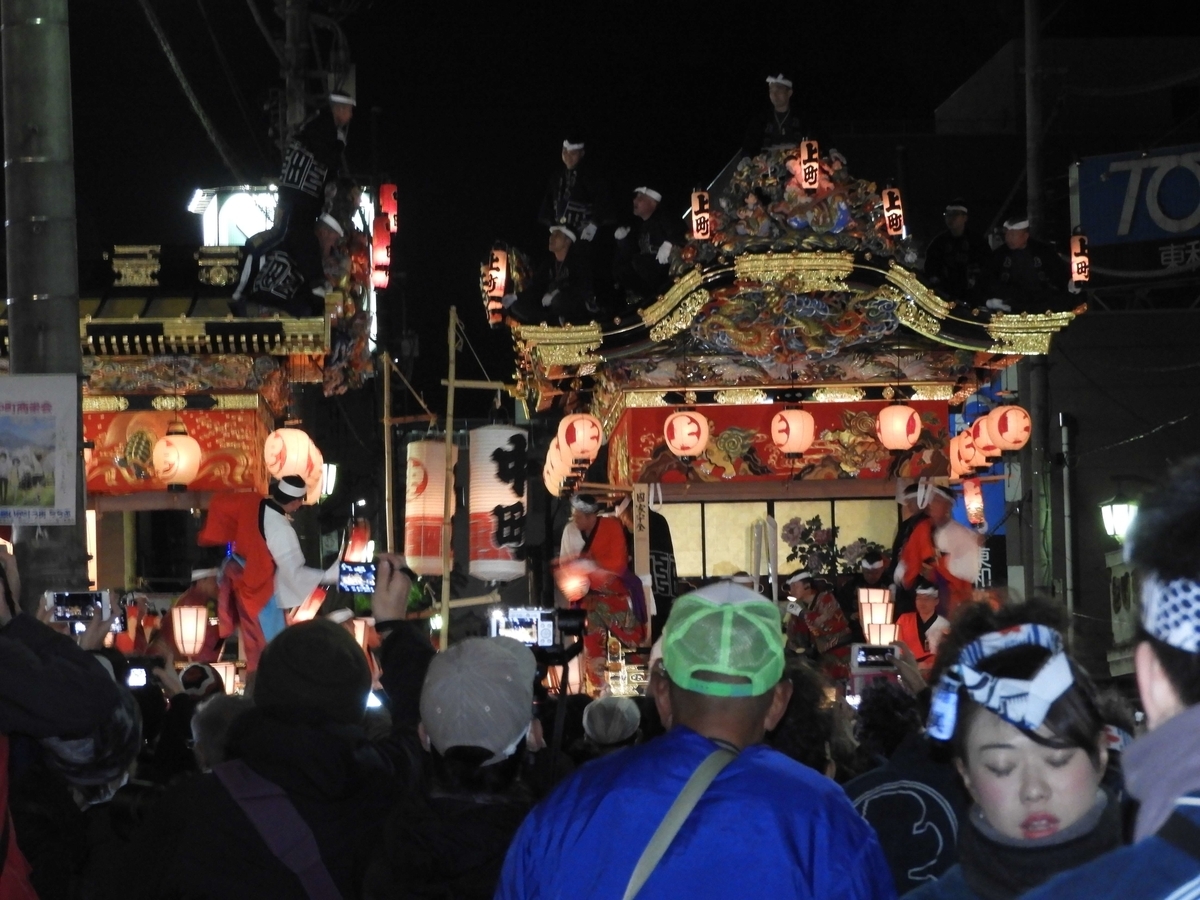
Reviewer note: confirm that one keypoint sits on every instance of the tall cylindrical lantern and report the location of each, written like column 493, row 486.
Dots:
column 288, row 451
column 973, row 500
column 579, row 438
column 188, row 624
column 898, row 427
column 424, row 505
column 1010, row 427
column 686, row 433
column 792, row 431
column 499, row 499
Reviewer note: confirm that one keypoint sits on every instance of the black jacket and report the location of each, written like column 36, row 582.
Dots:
column 956, row 265
column 576, row 197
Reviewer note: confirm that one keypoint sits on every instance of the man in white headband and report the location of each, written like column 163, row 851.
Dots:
column 643, row 251
column 940, row 550
column 1162, row 767
column 203, row 591
column 781, row 127
column 957, row 257
column 574, row 196
column 568, row 291
column 1026, row 275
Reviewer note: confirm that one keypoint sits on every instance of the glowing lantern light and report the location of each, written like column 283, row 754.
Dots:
column 968, row 453
column 176, row 458
column 898, row 427
column 381, row 243
column 316, row 469
column 982, row 435
column 498, row 502
column 958, row 469
column 1010, row 427
column 289, row 451
column 686, row 433
column 702, row 217
column 228, row 673
column 792, row 431
column 390, row 206
column 556, row 471
column 875, row 615
column 883, row 634
column 424, row 500
column 380, row 279
column 189, row 624
column 893, row 212
column 810, row 165
column 493, row 278
column 1081, row 268
column 868, row 598
column 973, row 500
column 580, row 436
column 1118, row 514
column 574, row 578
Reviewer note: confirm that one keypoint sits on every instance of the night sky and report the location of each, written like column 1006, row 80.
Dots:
column 474, row 103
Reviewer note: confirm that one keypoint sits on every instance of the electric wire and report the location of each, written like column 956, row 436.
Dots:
column 218, row 144
column 463, row 334
column 1136, row 437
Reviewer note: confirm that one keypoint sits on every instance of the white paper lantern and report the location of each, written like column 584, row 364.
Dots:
column 792, row 431
column 499, row 501
column 424, row 502
column 316, row 474
column 288, row 451
column 981, row 434
column 898, row 427
column 1010, row 427
column 958, row 469
column 556, row 470
column 189, row 624
column 176, row 458
column 686, row 433
column 579, row 438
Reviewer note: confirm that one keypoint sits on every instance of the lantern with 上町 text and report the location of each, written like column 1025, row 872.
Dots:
column 893, row 212
column 289, row 451
column 176, row 458
column 498, row 502
column 390, row 206
column 494, row 273
column 686, row 433
column 809, row 173
column 1010, row 427
column 1081, row 268
column 424, row 505
column 982, row 436
column 188, row 624
column 579, row 438
column 702, row 216
column 898, row 427
column 792, row 431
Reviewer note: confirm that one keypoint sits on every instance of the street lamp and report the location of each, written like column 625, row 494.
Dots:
column 1118, row 513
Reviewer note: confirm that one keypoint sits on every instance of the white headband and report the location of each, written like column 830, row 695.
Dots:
column 800, row 576
column 577, row 502
column 1020, row 702
column 927, row 589
column 1016, row 224
column 779, row 79
column 956, row 207
column 567, row 145
column 649, row 192
column 340, row 97
column 291, row 490
column 333, row 224
column 197, row 574
column 1171, row 612
column 871, row 567
column 565, row 230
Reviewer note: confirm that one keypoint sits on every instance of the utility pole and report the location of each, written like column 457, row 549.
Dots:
column 1036, row 556
column 43, row 276
column 295, row 61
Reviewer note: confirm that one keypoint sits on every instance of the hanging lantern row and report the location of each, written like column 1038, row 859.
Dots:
column 381, row 252
column 1004, row 428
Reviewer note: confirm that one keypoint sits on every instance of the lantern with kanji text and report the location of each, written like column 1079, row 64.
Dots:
column 389, row 206
column 498, row 502
column 898, row 427
column 702, row 216
column 1010, row 427
column 792, row 431
column 579, row 438
column 809, row 172
column 381, row 253
column 893, row 212
column 981, row 434
column 176, row 457
column 686, row 433
column 1081, row 268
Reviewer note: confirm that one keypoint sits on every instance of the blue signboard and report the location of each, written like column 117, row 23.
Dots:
column 1140, row 197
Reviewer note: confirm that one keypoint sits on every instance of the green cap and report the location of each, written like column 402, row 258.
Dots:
column 724, row 630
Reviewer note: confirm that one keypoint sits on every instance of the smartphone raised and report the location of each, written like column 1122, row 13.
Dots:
column 78, row 606
column 356, row 578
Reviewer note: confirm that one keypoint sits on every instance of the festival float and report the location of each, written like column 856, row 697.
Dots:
column 796, row 371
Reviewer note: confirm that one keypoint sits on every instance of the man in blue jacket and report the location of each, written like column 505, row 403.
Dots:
column 1162, row 768
column 765, row 826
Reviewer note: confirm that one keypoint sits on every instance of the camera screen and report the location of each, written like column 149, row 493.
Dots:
column 118, row 623
column 357, row 578
column 76, row 606
column 533, row 627
column 870, row 656
column 138, row 677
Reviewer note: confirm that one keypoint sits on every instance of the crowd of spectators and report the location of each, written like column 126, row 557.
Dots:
column 1001, row 771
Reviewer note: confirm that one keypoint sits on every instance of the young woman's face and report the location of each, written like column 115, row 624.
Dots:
column 1026, row 790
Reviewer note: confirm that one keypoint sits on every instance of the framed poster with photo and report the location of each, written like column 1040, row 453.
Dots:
column 39, row 449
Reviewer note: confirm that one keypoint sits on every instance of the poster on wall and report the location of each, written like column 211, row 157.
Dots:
column 39, row 449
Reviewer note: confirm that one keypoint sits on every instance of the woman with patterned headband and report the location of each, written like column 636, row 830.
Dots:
column 1028, row 740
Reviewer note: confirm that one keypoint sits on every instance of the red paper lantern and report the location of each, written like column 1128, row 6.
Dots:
column 389, row 206
column 380, row 279
column 1010, row 427
column 580, row 436
column 792, row 431
column 381, row 243
column 898, row 427
column 686, row 433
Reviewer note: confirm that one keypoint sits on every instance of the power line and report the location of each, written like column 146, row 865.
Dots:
column 209, row 128
column 1136, row 437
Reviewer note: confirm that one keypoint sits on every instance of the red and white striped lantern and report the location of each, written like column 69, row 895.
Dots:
column 424, row 505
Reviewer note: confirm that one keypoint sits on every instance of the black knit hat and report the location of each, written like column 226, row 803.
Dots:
column 314, row 666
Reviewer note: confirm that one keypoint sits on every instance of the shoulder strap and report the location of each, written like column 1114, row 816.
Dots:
column 279, row 823
column 1183, row 833
column 675, row 817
